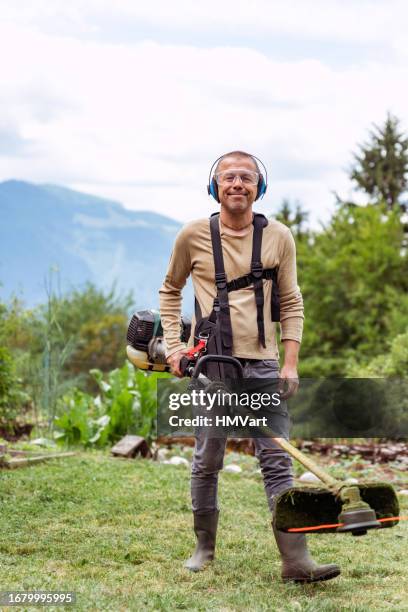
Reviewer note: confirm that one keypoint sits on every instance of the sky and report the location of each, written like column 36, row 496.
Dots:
column 134, row 100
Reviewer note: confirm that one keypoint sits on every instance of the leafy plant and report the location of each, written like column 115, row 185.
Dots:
column 129, row 398
column 74, row 422
column 126, row 405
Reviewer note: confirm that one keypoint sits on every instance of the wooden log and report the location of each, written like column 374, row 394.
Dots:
column 22, row 453
column 26, row 461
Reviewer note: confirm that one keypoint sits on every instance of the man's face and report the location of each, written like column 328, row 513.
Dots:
column 239, row 194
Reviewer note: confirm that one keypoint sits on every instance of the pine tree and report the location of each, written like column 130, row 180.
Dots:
column 294, row 216
column 381, row 168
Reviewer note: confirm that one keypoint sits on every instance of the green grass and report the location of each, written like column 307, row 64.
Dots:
column 117, row 532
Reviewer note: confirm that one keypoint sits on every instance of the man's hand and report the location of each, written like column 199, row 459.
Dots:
column 288, row 374
column 289, row 378
column 174, row 362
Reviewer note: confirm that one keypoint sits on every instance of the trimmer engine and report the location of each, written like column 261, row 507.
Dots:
column 145, row 342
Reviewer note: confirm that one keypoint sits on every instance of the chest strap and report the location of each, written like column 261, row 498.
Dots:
column 267, row 274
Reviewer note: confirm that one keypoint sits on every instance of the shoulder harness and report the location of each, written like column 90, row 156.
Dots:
column 219, row 320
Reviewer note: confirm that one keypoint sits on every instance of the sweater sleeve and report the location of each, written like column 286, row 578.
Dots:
column 170, row 292
column 291, row 301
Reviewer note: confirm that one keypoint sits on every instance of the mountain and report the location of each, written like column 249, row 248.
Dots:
column 86, row 238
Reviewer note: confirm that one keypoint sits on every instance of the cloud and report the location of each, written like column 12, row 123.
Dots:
column 12, row 143
column 141, row 122
column 338, row 20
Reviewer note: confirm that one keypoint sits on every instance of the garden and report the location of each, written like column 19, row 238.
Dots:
column 115, row 530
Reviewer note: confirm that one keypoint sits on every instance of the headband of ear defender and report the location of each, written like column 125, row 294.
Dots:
column 212, row 187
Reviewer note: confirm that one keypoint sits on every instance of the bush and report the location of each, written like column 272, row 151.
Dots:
column 126, row 405
column 12, row 398
column 392, row 363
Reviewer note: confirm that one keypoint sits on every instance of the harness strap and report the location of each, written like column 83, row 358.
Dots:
column 221, row 309
column 267, row 274
column 275, row 305
column 221, row 284
column 198, row 313
column 256, row 273
column 247, row 279
column 197, row 310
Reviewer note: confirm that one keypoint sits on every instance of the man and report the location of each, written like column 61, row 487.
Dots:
column 237, row 183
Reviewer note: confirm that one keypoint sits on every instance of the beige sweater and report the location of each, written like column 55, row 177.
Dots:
column 192, row 254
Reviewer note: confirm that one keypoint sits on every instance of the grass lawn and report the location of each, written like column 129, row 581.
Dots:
column 117, row 532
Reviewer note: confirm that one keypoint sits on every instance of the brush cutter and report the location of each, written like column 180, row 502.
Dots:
column 339, row 507
column 145, row 342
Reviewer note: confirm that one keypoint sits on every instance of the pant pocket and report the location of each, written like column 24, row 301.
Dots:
column 262, row 368
column 273, row 364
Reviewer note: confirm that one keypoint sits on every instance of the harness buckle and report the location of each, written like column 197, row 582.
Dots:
column 220, row 280
column 257, row 269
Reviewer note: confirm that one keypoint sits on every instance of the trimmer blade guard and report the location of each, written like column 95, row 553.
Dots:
column 301, row 507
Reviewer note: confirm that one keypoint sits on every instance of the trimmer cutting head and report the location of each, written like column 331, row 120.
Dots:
column 356, row 516
column 358, row 521
column 318, row 510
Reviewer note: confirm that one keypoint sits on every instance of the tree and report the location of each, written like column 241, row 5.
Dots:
column 86, row 305
column 16, row 325
column 354, row 285
column 76, row 317
column 101, row 344
column 98, row 323
column 381, row 166
column 294, row 217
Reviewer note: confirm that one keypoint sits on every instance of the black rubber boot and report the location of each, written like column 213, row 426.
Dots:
column 297, row 564
column 205, row 528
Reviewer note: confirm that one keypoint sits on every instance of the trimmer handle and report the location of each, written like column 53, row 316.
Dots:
column 202, row 361
column 189, row 360
column 187, row 366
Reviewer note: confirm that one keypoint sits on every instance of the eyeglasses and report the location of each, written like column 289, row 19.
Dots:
column 248, row 177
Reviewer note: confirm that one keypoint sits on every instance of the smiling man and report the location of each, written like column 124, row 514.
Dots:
column 261, row 254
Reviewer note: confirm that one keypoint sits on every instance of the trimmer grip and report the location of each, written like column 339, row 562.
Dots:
column 218, row 359
column 186, row 366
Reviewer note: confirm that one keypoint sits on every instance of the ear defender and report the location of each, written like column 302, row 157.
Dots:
column 261, row 188
column 212, row 187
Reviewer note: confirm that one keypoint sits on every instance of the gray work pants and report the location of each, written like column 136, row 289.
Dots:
column 208, row 460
